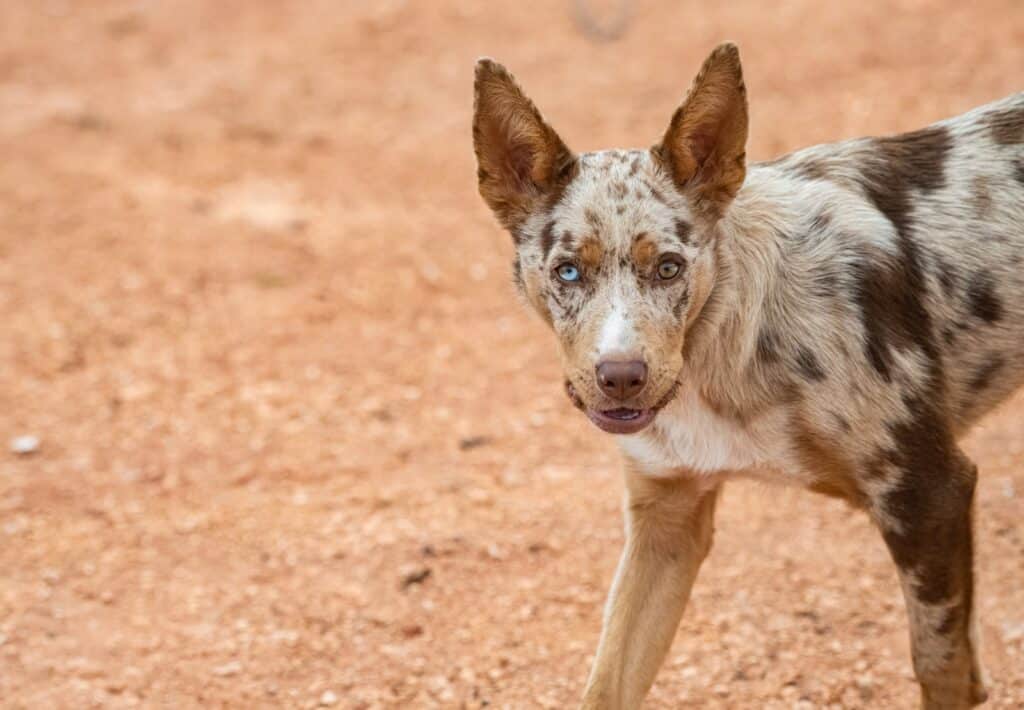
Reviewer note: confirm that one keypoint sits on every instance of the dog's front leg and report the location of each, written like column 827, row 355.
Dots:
column 669, row 523
column 926, row 521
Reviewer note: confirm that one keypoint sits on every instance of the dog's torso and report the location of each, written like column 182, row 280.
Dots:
column 871, row 286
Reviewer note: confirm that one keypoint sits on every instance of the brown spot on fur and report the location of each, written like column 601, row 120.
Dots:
column 821, row 222
column 930, row 500
column 1019, row 171
column 984, row 302
column 835, row 475
column 591, row 253
column 644, row 253
column 950, row 621
column 619, row 190
column 684, row 298
column 1007, row 125
column 811, row 169
column 547, row 238
column 984, row 374
column 683, row 231
column 981, row 196
column 947, row 276
column 891, row 310
column 809, row 366
column 892, row 299
column 566, row 241
column 634, row 166
column 592, row 219
column 517, row 274
column 841, row 422
column 620, row 209
column 896, row 164
column 767, row 347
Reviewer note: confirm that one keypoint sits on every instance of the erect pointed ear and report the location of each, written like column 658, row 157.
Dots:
column 521, row 161
column 704, row 147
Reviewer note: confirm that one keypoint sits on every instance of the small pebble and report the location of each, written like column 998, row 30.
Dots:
column 25, row 445
column 415, row 575
column 228, row 669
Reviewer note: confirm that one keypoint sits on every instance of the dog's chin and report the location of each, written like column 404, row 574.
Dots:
column 621, row 420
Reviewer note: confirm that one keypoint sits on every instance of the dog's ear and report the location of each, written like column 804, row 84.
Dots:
column 704, row 147
column 521, row 161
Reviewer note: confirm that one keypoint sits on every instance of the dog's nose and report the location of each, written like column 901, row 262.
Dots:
column 622, row 380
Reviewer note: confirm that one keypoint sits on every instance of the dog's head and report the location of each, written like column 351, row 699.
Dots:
column 616, row 250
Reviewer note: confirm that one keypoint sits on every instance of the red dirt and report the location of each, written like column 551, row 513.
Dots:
column 264, row 328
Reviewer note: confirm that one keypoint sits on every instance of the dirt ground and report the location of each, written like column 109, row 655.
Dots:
column 299, row 444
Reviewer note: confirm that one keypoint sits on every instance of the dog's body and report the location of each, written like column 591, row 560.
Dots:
column 836, row 318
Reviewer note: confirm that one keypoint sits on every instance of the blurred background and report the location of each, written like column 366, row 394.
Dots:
column 276, row 431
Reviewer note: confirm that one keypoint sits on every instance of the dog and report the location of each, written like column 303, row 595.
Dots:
column 836, row 318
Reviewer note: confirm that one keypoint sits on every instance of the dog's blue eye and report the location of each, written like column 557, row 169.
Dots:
column 568, row 273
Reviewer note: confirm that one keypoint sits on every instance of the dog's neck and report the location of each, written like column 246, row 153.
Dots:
column 722, row 343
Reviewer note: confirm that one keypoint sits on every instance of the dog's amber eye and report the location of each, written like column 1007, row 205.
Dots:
column 568, row 272
column 668, row 270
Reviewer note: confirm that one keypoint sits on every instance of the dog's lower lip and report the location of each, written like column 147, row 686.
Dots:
column 622, row 413
column 621, row 421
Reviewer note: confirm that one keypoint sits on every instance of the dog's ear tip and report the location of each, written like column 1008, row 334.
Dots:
column 727, row 52
column 486, row 66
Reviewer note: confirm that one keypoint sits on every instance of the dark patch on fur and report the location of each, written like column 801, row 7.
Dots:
column 892, row 297
column 811, row 169
column 809, row 366
column 517, row 274
column 947, row 276
column 1018, row 172
column 684, row 230
column 895, row 165
column 593, row 221
column 547, row 238
column 657, row 194
column 981, row 195
column 634, row 166
column 894, row 316
column 948, row 335
column 1007, row 125
column 619, row 190
column 931, row 501
column 841, row 422
column 684, row 298
column 983, row 375
column 767, row 347
column 950, row 621
column 620, row 209
column 821, row 222
column 983, row 300
column 566, row 240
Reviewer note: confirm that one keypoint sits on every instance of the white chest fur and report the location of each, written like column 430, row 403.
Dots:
column 688, row 434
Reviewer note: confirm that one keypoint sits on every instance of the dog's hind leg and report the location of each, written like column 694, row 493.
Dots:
column 925, row 519
column 669, row 523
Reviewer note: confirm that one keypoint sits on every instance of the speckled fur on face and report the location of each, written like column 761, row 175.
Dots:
column 616, row 222
column 845, row 314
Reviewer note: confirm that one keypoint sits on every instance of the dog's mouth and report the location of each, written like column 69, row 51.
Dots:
column 621, row 420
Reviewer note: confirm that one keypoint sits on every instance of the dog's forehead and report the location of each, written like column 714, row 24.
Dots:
column 619, row 194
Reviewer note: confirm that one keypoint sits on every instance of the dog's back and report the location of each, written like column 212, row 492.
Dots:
column 946, row 272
